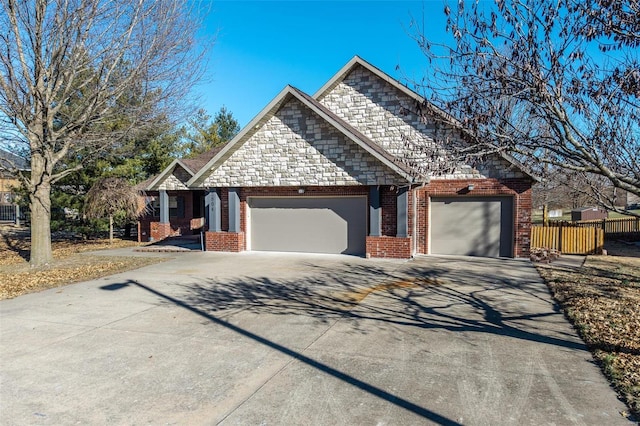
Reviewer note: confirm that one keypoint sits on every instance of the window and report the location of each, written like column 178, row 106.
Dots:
column 198, row 204
column 154, row 205
column 176, row 206
column 6, row 198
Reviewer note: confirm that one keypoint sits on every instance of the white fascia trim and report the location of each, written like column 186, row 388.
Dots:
column 166, row 172
column 356, row 60
column 354, row 138
column 253, row 125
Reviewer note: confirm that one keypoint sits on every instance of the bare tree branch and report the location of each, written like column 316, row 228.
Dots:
column 551, row 83
column 78, row 74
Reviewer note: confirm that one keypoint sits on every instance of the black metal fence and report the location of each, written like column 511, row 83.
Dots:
column 11, row 213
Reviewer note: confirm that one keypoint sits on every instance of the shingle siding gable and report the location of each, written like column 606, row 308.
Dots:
column 385, row 115
column 296, row 147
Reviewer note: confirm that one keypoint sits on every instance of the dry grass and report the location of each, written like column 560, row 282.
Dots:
column 69, row 266
column 602, row 300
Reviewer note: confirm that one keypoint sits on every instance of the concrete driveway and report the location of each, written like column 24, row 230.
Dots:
column 276, row 339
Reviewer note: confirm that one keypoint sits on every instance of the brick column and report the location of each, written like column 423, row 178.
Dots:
column 161, row 230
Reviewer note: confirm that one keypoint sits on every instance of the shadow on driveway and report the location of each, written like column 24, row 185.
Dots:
column 428, row 294
column 378, row 392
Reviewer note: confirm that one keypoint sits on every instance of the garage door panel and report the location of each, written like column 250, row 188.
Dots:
column 472, row 226
column 312, row 225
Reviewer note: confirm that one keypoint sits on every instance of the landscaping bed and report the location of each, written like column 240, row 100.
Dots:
column 70, row 264
column 602, row 300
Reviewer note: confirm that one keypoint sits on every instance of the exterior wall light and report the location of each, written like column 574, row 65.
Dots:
column 470, row 187
column 300, row 190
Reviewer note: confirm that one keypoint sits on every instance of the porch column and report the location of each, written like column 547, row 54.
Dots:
column 403, row 210
column 164, row 206
column 375, row 212
column 212, row 209
column 234, row 210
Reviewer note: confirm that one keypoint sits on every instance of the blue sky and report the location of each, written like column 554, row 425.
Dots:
column 261, row 46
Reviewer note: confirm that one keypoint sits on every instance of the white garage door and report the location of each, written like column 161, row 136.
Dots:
column 472, row 226
column 308, row 224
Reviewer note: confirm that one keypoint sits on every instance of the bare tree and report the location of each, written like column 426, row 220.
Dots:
column 553, row 83
column 110, row 196
column 77, row 74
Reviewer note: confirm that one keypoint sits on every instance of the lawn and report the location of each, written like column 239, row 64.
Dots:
column 602, row 301
column 71, row 263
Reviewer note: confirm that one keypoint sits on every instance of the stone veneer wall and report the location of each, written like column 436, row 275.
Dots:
column 385, row 114
column 176, row 181
column 296, row 147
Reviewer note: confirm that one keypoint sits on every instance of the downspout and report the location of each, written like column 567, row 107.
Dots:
column 414, row 225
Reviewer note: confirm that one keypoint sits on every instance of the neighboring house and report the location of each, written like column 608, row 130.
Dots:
column 185, row 207
column 343, row 172
column 588, row 213
column 10, row 165
column 633, row 201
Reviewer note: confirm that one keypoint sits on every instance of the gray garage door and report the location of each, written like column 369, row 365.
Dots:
column 478, row 226
column 310, row 225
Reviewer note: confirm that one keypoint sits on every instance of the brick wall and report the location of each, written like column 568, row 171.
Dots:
column 224, row 209
column 519, row 189
column 389, row 247
column 159, row 231
column 385, row 246
column 150, row 228
column 225, row 241
column 389, row 203
column 144, row 230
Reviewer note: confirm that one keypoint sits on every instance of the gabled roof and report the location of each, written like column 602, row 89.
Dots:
column 196, row 163
column 190, row 165
column 166, row 173
column 420, row 101
column 358, row 61
column 11, row 161
column 346, row 129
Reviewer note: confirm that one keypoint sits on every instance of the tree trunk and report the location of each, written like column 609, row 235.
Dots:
column 110, row 229
column 40, row 200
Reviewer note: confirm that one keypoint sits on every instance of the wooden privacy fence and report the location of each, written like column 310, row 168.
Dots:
column 624, row 225
column 568, row 240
